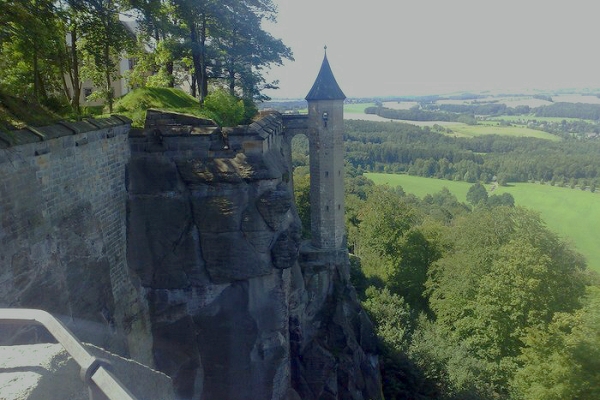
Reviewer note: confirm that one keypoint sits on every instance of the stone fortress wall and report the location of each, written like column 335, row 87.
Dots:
column 62, row 226
column 179, row 246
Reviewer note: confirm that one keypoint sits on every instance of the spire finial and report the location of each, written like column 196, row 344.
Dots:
column 325, row 47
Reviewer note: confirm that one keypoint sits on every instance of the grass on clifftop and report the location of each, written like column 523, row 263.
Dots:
column 17, row 113
column 135, row 103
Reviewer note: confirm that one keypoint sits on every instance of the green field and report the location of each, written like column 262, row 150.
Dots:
column 571, row 213
column 490, row 127
column 493, row 128
column 531, row 117
column 357, row 108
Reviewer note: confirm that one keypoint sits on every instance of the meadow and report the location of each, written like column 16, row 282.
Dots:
column 572, row 213
column 494, row 128
column 490, row 127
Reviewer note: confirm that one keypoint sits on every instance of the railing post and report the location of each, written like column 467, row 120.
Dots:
column 102, row 385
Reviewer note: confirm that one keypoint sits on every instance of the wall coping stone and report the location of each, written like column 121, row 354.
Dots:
column 62, row 128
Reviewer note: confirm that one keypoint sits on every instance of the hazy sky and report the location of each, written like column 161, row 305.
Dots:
column 405, row 47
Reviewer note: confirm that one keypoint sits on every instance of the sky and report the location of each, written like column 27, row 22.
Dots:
column 416, row 47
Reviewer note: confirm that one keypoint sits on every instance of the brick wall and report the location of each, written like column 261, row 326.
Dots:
column 62, row 225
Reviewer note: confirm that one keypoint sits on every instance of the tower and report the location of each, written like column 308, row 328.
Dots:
column 326, row 148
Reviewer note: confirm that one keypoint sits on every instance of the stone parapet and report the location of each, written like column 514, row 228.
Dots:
column 29, row 134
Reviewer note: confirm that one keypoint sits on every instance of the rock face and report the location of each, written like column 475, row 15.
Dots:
column 180, row 248
column 238, row 310
column 47, row 372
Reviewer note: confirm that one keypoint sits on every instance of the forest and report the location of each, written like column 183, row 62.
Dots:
column 469, row 301
column 48, row 48
column 423, row 151
column 476, row 300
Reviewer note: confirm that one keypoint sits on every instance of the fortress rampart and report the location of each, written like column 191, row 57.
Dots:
column 178, row 245
column 62, row 224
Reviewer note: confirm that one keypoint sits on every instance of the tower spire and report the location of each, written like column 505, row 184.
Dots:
column 325, row 86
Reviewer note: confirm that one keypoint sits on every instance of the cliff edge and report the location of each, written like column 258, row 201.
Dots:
column 239, row 307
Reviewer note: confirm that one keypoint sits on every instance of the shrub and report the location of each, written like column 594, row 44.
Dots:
column 226, row 109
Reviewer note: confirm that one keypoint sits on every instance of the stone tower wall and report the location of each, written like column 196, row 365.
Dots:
column 326, row 144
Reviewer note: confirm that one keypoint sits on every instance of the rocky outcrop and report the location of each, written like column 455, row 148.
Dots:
column 332, row 342
column 238, row 310
column 216, row 289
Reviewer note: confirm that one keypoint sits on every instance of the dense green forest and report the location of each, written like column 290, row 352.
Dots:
column 48, row 48
column 470, row 301
column 476, row 300
column 405, row 148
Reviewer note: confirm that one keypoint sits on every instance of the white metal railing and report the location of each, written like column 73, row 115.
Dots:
column 94, row 371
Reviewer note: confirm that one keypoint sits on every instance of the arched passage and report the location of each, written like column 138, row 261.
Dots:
column 300, row 157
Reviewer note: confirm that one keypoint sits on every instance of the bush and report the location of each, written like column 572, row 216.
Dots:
column 227, row 110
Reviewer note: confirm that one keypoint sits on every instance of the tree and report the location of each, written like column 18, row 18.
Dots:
column 104, row 39
column 227, row 110
column 245, row 48
column 302, row 200
column 504, row 199
column 506, row 273
column 30, row 43
column 477, row 194
column 561, row 361
column 384, row 219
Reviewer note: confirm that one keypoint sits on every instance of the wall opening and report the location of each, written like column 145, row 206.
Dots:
column 301, row 180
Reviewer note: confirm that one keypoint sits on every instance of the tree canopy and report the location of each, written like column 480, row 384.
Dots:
column 49, row 47
column 476, row 302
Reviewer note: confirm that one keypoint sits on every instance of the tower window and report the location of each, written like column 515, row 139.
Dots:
column 326, row 174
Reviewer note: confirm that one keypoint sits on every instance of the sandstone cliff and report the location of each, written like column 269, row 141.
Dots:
column 180, row 248
column 239, row 308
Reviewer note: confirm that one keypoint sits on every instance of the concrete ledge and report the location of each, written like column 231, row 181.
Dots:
column 46, row 371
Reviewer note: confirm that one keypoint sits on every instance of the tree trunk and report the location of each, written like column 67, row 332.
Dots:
column 74, row 74
column 193, row 87
column 197, row 60
column 107, row 68
column 231, row 78
column 204, row 86
column 170, row 72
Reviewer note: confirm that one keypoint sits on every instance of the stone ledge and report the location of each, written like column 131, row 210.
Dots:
column 60, row 129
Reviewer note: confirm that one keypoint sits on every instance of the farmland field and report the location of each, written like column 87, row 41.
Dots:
column 357, row 108
column 356, row 111
column 493, row 128
column 572, row 213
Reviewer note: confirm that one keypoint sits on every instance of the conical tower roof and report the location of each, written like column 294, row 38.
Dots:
column 325, row 86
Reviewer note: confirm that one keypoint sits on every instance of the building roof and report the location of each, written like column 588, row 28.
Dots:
column 325, row 86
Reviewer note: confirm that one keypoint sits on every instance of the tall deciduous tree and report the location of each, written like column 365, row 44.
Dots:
column 505, row 273
column 562, row 361
column 104, row 41
column 30, row 41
